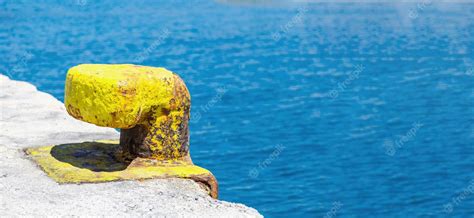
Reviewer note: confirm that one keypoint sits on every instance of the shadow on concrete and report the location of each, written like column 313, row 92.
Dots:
column 95, row 156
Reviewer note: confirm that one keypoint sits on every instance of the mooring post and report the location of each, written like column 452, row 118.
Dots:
column 150, row 105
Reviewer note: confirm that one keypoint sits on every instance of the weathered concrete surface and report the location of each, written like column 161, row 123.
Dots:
column 32, row 118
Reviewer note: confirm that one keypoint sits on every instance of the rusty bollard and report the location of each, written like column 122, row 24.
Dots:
column 150, row 105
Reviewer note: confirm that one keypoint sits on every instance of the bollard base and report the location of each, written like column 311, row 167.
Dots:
column 94, row 162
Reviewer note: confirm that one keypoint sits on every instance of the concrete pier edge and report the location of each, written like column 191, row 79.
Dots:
column 29, row 118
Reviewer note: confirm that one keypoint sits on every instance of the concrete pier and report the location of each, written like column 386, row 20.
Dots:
column 29, row 118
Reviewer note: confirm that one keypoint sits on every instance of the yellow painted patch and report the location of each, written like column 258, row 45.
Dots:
column 91, row 162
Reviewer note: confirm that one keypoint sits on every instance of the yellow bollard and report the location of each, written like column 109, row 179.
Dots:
column 150, row 105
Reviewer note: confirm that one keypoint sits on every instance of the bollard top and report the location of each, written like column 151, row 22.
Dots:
column 119, row 95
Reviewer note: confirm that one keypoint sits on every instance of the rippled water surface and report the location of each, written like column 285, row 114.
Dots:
column 306, row 110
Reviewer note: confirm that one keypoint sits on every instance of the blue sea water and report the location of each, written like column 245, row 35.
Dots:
column 299, row 109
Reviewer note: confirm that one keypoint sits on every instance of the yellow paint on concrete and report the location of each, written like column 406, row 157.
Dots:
column 68, row 166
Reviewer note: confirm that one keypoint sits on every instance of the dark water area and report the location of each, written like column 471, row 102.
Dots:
column 299, row 109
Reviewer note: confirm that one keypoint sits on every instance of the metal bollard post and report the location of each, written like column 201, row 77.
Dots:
column 150, row 105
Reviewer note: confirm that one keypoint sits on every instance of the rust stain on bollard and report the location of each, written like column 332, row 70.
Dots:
column 150, row 105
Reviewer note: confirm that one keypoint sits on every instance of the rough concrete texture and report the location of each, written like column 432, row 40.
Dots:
column 32, row 118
